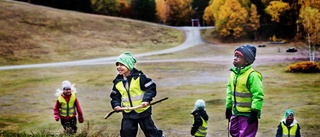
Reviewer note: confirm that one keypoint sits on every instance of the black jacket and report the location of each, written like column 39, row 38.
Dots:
column 150, row 92
column 279, row 131
column 197, row 114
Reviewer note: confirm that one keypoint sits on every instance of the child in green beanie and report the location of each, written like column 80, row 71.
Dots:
column 288, row 126
column 131, row 88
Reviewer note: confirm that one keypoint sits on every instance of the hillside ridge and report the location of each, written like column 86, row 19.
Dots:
column 37, row 34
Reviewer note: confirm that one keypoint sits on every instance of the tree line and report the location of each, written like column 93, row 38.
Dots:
column 255, row 19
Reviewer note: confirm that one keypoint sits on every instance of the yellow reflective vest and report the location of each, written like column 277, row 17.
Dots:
column 134, row 95
column 202, row 130
column 67, row 108
column 241, row 96
column 289, row 132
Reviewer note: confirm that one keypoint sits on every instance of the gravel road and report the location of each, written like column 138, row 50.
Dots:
column 193, row 38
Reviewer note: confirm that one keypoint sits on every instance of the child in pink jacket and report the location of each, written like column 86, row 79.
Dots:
column 67, row 107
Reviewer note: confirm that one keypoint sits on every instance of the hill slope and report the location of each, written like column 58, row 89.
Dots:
column 37, row 34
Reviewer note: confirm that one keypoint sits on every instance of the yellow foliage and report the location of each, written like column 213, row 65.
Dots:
column 275, row 8
column 208, row 14
column 274, row 38
column 231, row 16
column 224, row 32
column 304, row 67
column 254, row 20
column 180, row 10
column 162, row 10
column 231, row 19
column 311, row 3
column 310, row 19
column 212, row 10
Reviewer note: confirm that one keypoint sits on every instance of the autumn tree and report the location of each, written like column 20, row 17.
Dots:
column 284, row 14
column 254, row 20
column 125, row 8
column 310, row 19
column 208, row 15
column 309, row 3
column 276, row 8
column 180, row 12
column 106, row 7
column 231, row 19
column 162, row 10
column 212, row 11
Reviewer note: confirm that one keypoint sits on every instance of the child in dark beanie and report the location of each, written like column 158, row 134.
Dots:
column 244, row 94
column 248, row 52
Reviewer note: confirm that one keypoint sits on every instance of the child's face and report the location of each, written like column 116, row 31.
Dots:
column 122, row 69
column 289, row 120
column 239, row 60
column 67, row 91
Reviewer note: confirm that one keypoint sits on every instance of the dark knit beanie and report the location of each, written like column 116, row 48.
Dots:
column 248, row 51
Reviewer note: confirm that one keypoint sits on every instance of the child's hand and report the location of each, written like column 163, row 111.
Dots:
column 80, row 119
column 144, row 104
column 56, row 117
column 117, row 108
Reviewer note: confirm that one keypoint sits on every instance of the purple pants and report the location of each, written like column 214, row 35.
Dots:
column 240, row 127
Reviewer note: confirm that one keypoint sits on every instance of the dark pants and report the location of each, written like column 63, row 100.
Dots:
column 69, row 126
column 129, row 127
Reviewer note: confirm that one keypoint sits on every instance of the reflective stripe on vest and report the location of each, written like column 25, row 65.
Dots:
column 67, row 108
column 289, row 132
column 202, row 130
column 136, row 95
column 241, row 96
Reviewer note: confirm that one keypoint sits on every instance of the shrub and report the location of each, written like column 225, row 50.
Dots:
column 304, row 67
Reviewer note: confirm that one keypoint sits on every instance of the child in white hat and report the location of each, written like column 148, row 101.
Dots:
column 200, row 119
column 67, row 107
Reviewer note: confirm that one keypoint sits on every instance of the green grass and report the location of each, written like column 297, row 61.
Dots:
column 30, row 104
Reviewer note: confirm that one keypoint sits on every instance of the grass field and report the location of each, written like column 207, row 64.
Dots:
column 27, row 95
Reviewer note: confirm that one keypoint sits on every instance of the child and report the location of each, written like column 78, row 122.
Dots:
column 132, row 88
column 67, row 107
column 244, row 94
column 288, row 126
column 200, row 119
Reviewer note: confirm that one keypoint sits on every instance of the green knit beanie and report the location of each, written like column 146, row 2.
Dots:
column 127, row 59
column 288, row 113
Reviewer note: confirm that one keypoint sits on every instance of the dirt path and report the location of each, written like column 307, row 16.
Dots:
column 193, row 38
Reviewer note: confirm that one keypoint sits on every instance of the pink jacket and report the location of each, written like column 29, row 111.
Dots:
column 58, row 105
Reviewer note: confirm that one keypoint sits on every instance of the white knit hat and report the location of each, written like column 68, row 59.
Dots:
column 66, row 84
column 200, row 104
